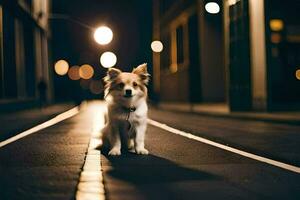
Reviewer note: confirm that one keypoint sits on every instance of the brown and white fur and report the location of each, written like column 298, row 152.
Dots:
column 126, row 95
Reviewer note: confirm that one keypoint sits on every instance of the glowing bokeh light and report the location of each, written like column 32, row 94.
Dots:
column 276, row 24
column 103, row 35
column 157, row 46
column 275, row 38
column 212, row 8
column 61, row 67
column 96, row 87
column 297, row 74
column 73, row 73
column 86, row 71
column 108, row 59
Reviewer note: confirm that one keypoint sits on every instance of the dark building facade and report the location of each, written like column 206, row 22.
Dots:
column 24, row 56
column 246, row 55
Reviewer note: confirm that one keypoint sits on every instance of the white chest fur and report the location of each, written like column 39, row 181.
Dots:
column 139, row 115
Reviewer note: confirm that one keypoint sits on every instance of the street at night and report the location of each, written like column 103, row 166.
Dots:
column 47, row 164
column 149, row 99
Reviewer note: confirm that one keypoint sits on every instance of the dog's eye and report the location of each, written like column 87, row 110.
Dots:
column 121, row 85
column 135, row 84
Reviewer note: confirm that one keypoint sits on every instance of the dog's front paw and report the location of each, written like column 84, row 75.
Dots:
column 142, row 151
column 114, row 152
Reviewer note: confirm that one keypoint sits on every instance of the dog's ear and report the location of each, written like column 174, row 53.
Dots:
column 141, row 70
column 112, row 73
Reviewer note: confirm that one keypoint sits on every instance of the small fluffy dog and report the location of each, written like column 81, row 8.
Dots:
column 126, row 119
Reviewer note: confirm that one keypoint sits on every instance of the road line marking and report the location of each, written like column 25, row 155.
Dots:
column 55, row 120
column 224, row 147
column 90, row 185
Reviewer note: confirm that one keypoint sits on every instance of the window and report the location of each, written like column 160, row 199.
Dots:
column 179, row 45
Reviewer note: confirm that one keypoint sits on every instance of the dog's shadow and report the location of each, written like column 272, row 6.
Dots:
column 149, row 171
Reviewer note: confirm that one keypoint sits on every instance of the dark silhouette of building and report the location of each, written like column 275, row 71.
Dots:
column 24, row 52
column 245, row 56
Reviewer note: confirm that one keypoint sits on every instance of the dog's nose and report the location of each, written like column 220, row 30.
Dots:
column 128, row 92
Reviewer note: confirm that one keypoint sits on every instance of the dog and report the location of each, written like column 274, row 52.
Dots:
column 126, row 118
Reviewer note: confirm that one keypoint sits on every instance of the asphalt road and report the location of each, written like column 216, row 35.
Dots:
column 47, row 164
column 273, row 140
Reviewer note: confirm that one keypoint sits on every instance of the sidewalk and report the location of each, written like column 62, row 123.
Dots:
column 15, row 122
column 222, row 110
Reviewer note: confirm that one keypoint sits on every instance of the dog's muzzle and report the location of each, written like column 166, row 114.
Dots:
column 128, row 93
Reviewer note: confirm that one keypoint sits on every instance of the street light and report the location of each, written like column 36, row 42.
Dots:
column 108, row 59
column 103, row 35
column 212, row 8
column 157, row 46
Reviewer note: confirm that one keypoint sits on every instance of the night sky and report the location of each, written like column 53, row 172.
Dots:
column 130, row 21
